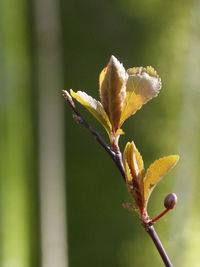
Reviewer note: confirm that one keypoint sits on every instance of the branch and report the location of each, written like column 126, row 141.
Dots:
column 151, row 231
column 117, row 158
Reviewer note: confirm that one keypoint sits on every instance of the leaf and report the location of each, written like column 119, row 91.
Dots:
column 140, row 164
column 143, row 84
column 119, row 132
column 129, row 177
column 133, row 186
column 117, row 136
column 135, row 161
column 94, row 107
column 112, row 83
column 155, row 173
column 134, row 169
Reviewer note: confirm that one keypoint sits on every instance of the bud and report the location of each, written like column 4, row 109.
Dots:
column 68, row 97
column 134, row 169
column 170, row 201
column 112, row 82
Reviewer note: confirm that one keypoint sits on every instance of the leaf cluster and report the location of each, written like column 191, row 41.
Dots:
column 122, row 94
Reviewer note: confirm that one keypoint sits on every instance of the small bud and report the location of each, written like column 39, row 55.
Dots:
column 77, row 119
column 170, row 201
column 112, row 84
column 129, row 206
column 134, row 173
column 68, row 97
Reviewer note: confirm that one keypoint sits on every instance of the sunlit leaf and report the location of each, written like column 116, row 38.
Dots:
column 129, row 177
column 118, row 133
column 156, row 171
column 135, row 161
column 134, row 169
column 139, row 164
column 143, row 84
column 112, row 83
column 94, row 107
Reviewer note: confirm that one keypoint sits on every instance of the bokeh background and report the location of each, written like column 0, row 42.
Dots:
column 60, row 194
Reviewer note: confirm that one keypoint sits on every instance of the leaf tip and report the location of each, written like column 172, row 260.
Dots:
column 175, row 158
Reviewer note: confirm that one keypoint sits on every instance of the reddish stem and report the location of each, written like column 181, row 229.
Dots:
column 159, row 216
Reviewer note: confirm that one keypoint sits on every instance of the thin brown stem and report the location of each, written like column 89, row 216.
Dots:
column 117, row 158
column 152, row 233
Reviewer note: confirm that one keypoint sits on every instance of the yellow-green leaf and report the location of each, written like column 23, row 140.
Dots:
column 94, row 107
column 129, row 177
column 134, row 170
column 119, row 132
column 117, row 135
column 112, row 83
column 143, row 84
column 135, row 161
column 140, row 164
column 156, row 171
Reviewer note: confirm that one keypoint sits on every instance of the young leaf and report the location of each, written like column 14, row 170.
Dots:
column 129, row 177
column 94, row 107
column 143, row 84
column 156, row 171
column 135, row 161
column 134, row 170
column 117, row 135
column 112, row 83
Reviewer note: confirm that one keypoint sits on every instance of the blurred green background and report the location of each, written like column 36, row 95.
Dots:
column 60, row 194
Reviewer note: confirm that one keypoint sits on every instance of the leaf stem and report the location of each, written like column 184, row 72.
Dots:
column 159, row 216
column 117, row 158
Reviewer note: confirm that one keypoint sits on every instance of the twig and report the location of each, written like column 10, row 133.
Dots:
column 117, row 158
column 151, row 231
